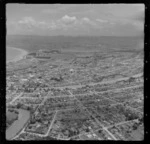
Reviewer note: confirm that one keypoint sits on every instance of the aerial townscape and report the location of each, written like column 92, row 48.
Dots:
column 75, row 72
column 75, row 96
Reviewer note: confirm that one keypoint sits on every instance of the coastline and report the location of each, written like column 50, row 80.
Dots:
column 21, row 55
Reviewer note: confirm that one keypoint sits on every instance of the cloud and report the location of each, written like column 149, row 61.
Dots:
column 32, row 23
column 68, row 19
column 102, row 20
column 20, row 26
column 73, row 22
column 66, row 22
column 27, row 20
column 106, row 23
column 28, row 24
column 86, row 21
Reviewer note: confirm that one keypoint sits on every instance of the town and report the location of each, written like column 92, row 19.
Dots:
column 69, row 96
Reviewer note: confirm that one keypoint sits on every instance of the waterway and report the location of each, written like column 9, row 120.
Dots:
column 16, row 127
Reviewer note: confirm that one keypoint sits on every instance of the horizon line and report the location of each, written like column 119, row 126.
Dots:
column 73, row 35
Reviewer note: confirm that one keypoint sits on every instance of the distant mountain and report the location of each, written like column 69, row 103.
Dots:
column 33, row 43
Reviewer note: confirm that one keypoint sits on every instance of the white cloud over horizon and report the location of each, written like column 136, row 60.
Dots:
column 74, row 19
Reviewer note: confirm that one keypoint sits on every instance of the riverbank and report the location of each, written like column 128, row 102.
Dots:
column 17, row 126
column 16, row 57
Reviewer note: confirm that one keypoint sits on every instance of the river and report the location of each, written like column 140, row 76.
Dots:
column 13, row 130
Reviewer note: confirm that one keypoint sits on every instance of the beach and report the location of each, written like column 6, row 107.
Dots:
column 14, row 54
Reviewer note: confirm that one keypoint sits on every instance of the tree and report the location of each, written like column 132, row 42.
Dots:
column 131, row 79
column 19, row 105
column 135, row 126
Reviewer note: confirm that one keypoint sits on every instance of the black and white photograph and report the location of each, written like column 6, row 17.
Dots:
column 75, row 72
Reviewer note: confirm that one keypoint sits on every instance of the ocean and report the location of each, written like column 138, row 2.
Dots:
column 13, row 53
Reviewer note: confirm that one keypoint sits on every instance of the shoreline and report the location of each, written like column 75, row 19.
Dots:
column 17, row 58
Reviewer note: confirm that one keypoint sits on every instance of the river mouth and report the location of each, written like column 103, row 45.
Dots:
column 18, row 124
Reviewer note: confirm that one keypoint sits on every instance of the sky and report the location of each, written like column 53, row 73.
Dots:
column 75, row 19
